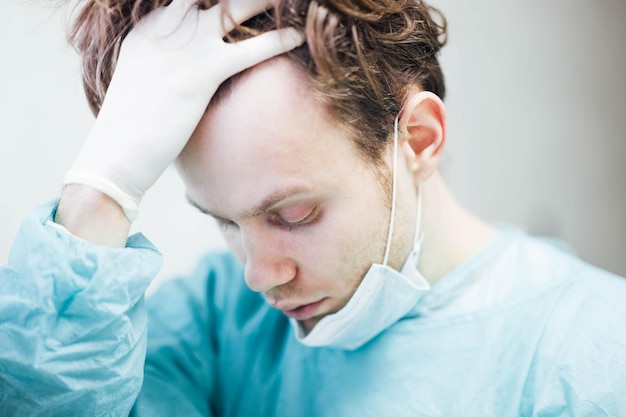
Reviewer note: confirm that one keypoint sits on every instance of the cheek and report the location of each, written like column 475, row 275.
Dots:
column 345, row 247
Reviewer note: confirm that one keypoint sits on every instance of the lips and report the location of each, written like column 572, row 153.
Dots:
column 298, row 312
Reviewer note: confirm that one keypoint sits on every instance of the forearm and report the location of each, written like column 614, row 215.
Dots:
column 72, row 322
column 92, row 216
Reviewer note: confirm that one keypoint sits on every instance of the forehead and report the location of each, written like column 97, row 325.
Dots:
column 268, row 133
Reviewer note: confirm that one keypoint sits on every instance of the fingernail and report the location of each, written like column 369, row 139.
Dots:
column 293, row 36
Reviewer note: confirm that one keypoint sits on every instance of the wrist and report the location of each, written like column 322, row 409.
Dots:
column 128, row 200
column 92, row 215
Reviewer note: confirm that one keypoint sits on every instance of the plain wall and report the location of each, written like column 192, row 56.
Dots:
column 536, row 111
column 537, row 118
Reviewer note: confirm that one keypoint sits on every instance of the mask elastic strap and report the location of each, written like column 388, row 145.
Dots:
column 394, row 171
column 419, row 235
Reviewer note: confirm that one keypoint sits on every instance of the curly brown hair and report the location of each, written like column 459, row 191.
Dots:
column 362, row 56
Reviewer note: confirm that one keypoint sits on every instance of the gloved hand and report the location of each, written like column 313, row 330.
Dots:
column 169, row 67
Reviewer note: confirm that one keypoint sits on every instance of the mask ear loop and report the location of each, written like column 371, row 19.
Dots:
column 418, row 236
column 394, row 174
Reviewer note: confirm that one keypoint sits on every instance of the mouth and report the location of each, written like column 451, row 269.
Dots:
column 302, row 311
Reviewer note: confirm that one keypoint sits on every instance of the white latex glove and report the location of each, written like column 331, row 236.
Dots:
column 169, row 67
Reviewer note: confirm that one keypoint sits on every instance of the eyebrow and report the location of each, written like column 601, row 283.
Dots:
column 269, row 203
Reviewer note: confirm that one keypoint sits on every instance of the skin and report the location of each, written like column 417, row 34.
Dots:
column 326, row 222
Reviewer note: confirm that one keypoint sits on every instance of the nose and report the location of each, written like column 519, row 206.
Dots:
column 266, row 265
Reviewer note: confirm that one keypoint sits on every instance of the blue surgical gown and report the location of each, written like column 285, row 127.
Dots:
column 521, row 329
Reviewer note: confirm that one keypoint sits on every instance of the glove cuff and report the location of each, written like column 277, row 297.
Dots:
column 129, row 205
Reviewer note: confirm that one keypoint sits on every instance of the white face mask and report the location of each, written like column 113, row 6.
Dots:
column 383, row 297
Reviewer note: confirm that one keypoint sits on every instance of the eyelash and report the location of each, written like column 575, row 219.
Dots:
column 283, row 224
column 275, row 219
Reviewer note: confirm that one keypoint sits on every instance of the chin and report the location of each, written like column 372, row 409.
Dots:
column 309, row 324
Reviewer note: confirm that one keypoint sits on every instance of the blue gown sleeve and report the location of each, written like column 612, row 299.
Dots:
column 72, row 322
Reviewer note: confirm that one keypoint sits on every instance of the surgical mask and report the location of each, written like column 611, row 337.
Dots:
column 382, row 298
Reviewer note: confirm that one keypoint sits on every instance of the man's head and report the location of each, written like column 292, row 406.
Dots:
column 290, row 154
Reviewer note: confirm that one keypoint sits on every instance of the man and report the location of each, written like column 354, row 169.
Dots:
column 356, row 286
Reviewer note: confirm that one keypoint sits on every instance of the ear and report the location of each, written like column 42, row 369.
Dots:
column 422, row 125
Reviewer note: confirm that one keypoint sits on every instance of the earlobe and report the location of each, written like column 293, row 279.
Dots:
column 422, row 125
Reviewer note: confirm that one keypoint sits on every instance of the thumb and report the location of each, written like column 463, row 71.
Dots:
column 255, row 50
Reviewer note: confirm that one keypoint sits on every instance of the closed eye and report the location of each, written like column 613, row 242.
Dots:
column 294, row 217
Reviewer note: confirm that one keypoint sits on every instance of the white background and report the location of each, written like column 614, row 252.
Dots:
column 536, row 110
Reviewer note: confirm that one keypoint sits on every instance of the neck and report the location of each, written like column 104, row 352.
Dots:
column 452, row 234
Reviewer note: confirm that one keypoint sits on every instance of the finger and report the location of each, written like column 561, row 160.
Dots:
column 165, row 20
column 267, row 45
column 236, row 12
column 180, row 8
